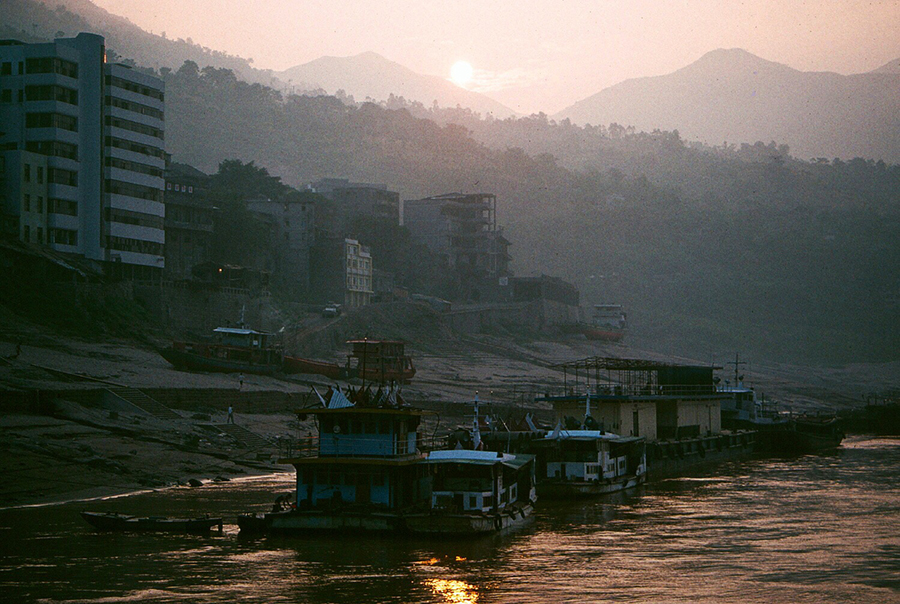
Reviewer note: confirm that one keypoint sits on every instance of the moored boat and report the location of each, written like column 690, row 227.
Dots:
column 582, row 462
column 475, row 493
column 301, row 365
column 608, row 323
column 233, row 350
column 112, row 521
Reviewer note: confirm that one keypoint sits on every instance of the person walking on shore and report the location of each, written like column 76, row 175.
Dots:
column 230, row 414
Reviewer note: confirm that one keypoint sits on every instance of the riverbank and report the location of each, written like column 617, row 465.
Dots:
column 64, row 437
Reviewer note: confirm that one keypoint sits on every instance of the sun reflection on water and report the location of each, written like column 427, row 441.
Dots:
column 455, row 592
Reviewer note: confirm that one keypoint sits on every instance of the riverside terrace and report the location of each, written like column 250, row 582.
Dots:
column 635, row 397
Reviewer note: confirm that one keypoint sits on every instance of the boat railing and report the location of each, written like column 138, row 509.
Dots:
column 617, row 390
column 358, row 446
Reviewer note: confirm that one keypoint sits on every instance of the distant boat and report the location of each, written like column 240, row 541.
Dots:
column 233, row 350
column 608, row 323
column 379, row 361
column 111, row 521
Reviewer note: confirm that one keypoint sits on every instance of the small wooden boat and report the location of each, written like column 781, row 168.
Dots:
column 112, row 521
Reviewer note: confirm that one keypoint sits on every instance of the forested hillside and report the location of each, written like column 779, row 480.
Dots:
column 712, row 249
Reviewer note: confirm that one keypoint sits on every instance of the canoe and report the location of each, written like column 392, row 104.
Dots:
column 112, row 521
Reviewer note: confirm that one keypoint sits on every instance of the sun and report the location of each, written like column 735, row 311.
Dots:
column 461, row 73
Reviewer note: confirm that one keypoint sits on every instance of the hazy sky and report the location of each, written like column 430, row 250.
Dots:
column 534, row 55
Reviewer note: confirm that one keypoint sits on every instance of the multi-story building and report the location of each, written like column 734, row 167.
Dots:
column 292, row 226
column 98, row 128
column 353, row 199
column 341, row 271
column 463, row 229
column 189, row 220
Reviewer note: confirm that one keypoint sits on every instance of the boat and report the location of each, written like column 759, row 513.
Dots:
column 475, row 492
column 608, row 323
column 362, row 471
column 300, row 365
column 380, row 361
column 112, row 521
column 581, row 462
column 231, row 350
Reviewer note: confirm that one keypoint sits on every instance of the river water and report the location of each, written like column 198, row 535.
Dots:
column 818, row 528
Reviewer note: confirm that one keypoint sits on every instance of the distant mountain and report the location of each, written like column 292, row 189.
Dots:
column 734, row 96
column 371, row 75
column 889, row 67
column 36, row 20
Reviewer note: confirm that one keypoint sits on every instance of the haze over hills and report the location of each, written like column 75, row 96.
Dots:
column 371, row 75
column 734, row 96
column 36, row 20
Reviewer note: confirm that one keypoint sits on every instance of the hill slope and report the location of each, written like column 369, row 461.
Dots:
column 732, row 95
column 371, row 75
column 36, row 20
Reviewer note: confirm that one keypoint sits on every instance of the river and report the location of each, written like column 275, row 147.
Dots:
column 817, row 528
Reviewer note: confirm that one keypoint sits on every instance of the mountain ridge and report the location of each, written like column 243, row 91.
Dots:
column 369, row 74
column 732, row 95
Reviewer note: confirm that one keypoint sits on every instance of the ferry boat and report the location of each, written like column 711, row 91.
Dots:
column 608, row 323
column 583, row 462
column 362, row 472
column 476, row 492
column 231, row 350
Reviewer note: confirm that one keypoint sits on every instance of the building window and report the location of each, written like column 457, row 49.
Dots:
column 6, row 96
column 6, row 68
column 62, row 206
column 26, row 175
column 26, row 202
column 26, row 233
column 40, row 235
column 40, row 174
column 63, row 236
column 40, row 205
column 62, row 177
column 51, row 120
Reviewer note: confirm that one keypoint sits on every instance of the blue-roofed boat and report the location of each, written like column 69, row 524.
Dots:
column 231, row 350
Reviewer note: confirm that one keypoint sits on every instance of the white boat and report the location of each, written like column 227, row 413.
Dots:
column 476, row 492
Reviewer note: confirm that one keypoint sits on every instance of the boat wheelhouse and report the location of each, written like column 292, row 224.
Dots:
column 231, row 350
column 475, row 492
column 362, row 472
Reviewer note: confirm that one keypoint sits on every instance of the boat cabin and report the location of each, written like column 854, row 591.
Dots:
column 241, row 338
column 468, row 481
column 588, row 455
column 639, row 398
column 363, row 456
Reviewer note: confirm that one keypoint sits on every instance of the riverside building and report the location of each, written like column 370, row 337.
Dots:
column 83, row 154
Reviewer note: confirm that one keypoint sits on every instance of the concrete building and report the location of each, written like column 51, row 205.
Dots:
column 341, row 271
column 189, row 220
column 292, row 223
column 353, row 199
column 463, row 229
column 99, row 129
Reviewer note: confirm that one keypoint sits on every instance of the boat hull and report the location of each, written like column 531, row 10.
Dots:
column 300, row 522
column 448, row 524
column 121, row 522
column 194, row 362
column 558, row 489
column 300, row 365
column 603, row 335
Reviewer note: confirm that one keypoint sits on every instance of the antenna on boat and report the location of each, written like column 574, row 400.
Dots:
column 737, row 363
